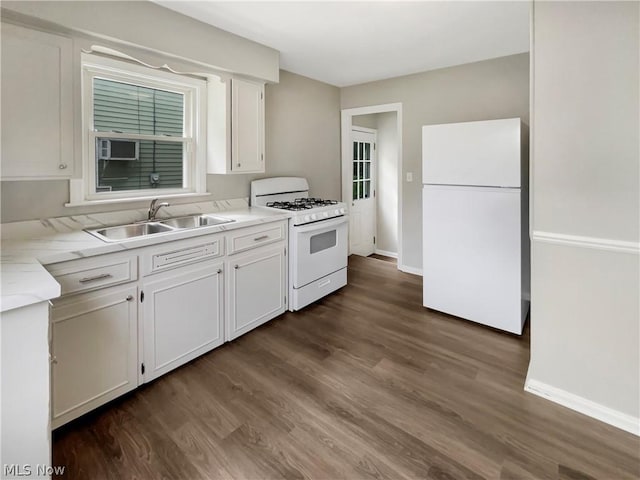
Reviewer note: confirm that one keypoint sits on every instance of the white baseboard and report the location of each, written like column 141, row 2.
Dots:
column 385, row 253
column 407, row 269
column 618, row 419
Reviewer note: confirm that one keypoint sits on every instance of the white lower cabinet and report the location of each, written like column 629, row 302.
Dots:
column 183, row 316
column 94, row 350
column 256, row 288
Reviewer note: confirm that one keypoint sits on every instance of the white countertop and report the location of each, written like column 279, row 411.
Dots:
column 27, row 246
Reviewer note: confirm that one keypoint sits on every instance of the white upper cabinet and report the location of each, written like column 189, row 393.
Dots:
column 37, row 104
column 239, row 149
column 247, row 126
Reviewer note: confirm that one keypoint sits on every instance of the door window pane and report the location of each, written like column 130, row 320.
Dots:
column 367, row 151
column 367, row 170
column 360, row 150
column 367, row 189
column 355, row 150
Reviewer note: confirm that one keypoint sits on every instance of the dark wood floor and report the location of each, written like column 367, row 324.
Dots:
column 383, row 257
column 364, row 384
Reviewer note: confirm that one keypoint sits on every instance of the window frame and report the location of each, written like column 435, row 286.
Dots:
column 194, row 92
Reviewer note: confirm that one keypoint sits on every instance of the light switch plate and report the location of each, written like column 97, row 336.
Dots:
column 409, row 176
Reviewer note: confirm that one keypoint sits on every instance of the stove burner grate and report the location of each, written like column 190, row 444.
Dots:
column 302, row 204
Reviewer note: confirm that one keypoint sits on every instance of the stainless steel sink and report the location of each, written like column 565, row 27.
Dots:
column 195, row 221
column 133, row 230
column 123, row 232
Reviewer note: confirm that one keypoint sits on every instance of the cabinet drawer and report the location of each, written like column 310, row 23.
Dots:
column 248, row 238
column 183, row 252
column 88, row 274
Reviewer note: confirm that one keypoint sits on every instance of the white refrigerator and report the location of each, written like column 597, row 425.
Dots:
column 475, row 221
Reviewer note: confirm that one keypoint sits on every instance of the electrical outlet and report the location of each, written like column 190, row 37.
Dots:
column 409, row 176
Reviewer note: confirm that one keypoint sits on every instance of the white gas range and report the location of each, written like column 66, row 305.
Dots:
column 318, row 243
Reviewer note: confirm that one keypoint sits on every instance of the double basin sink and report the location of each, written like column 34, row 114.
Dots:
column 133, row 230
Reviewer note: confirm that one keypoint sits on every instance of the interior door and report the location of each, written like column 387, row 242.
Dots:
column 362, row 223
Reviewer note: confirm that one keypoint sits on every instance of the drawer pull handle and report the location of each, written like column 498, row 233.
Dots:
column 219, row 271
column 97, row 277
column 261, row 237
column 129, row 298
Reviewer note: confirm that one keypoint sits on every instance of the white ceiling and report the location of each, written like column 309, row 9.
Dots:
column 347, row 43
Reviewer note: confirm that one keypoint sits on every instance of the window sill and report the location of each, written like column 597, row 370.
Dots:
column 113, row 201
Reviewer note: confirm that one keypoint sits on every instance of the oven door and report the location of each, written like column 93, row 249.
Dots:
column 318, row 249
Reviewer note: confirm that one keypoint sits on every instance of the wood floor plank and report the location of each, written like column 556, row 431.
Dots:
column 364, row 384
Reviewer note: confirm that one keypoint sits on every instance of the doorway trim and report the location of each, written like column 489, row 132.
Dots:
column 346, row 121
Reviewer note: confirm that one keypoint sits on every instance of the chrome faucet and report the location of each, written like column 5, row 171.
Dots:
column 153, row 208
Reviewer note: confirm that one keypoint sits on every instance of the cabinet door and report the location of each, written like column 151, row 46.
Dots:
column 247, row 126
column 182, row 316
column 37, row 104
column 257, row 289
column 94, row 347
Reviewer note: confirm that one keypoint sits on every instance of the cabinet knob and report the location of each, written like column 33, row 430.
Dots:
column 62, row 166
column 219, row 271
column 238, row 165
column 236, row 267
column 54, row 360
column 129, row 298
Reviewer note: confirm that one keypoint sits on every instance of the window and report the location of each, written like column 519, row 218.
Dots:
column 143, row 131
column 361, row 170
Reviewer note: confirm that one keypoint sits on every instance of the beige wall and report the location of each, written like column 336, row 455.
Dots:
column 367, row 121
column 491, row 89
column 585, row 331
column 303, row 132
column 302, row 138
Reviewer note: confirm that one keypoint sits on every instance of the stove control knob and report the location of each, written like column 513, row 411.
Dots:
column 307, row 218
column 325, row 214
column 342, row 211
column 337, row 211
column 313, row 216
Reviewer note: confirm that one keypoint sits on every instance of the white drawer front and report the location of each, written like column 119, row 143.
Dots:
column 248, row 238
column 84, row 275
column 182, row 252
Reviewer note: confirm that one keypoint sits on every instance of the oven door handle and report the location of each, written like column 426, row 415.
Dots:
column 321, row 225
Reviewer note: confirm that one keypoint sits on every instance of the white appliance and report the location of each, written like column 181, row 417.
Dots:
column 475, row 221
column 318, row 242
